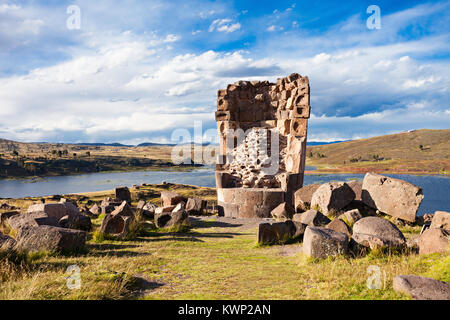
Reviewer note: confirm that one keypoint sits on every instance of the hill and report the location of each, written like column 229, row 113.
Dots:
column 417, row 151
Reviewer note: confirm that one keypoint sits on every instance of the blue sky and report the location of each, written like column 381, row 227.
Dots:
column 137, row 70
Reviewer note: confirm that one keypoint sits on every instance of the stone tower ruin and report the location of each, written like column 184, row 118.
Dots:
column 262, row 129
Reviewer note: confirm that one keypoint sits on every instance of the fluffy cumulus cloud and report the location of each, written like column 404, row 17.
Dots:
column 137, row 82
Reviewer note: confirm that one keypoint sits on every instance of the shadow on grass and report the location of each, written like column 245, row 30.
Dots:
column 199, row 223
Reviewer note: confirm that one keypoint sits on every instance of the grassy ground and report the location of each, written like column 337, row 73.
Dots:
column 217, row 259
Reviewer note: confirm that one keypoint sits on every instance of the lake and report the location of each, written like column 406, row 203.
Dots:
column 435, row 188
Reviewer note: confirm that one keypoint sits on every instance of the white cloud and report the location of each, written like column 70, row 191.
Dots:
column 224, row 25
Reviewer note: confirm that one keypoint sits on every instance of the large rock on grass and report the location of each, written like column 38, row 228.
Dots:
column 311, row 218
column 278, row 232
column 33, row 219
column 303, row 196
column 441, row 220
column 48, row 238
column 116, row 225
column 123, row 194
column 321, row 242
column 123, row 210
column 170, row 219
column 351, row 216
column 434, row 240
column 170, row 198
column 79, row 222
column 332, row 196
column 55, row 210
column 421, row 288
column 394, row 197
column 195, row 206
column 375, row 232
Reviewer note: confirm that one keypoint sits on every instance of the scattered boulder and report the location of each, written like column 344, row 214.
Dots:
column 421, row 288
column 55, row 210
column 277, row 232
column 123, row 194
column 283, row 211
column 332, row 196
column 33, row 219
column 394, row 197
column 123, row 210
column 352, row 216
column 441, row 219
column 340, row 226
column 180, row 207
column 311, row 218
column 164, row 209
column 116, row 225
column 376, row 232
column 50, row 238
column 303, row 196
column 434, row 240
column 169, row 219
column 195, row 206
column 79, row 222
column 321, row 242
column 4, row 216
column 169, row 198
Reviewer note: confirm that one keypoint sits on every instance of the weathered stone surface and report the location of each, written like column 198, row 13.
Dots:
column 180, row 207
column 33, row 219
column 50, row 238
column 283, row 211
column 441, row 219
column 169, row 198
column 123, row 210
column 332, row 196
column 170, row 219
column 340, row 226
column 352, row 215
column 356, row 186
column 55, row 210
column 79, row 222
column 303, row 197
column 148, row 209
column 311, row 218
column 4, row 216
column 140, row 205
column 195, row 206
column 421, row 288
column 394, row 197
column 321, row 242
column 123, row 194
column 377, row 232
column 434, row 240
column 116, row 225
column 164, row 209
column 277, row 232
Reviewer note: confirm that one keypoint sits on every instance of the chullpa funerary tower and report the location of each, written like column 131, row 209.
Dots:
column 246, row 187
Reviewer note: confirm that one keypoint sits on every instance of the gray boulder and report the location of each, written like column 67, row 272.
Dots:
column 116, row 225
column 303, row 196
column 283, row 211
column 55, row 210
column 195, row 206
column 374, row 232
column 170, row 198
column 50, row 238
column 421, row 288
column 332, row 196
column 352, row 216
column 434, row 240
column 340, row 226
column 277, row 232
column 123, row 210
column 441, row 220
column 33, row 219
column 321, row 242
column 394, row 197
column 79, row 222
column 170, row 219
column 123, row 194
column 311, row 218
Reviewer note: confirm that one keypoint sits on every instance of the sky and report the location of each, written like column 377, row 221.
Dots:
column 134, row 71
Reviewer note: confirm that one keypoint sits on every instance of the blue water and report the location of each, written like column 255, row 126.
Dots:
column 436, row 189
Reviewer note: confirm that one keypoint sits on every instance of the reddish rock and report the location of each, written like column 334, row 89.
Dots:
column 434, row 240
column 441, row 219
column 169, row 198
column 303, row 196
column 322, row 242
column 421, row 288
column 340, row 226
column 332, row 196
column 283, row 211
column 377, row 232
